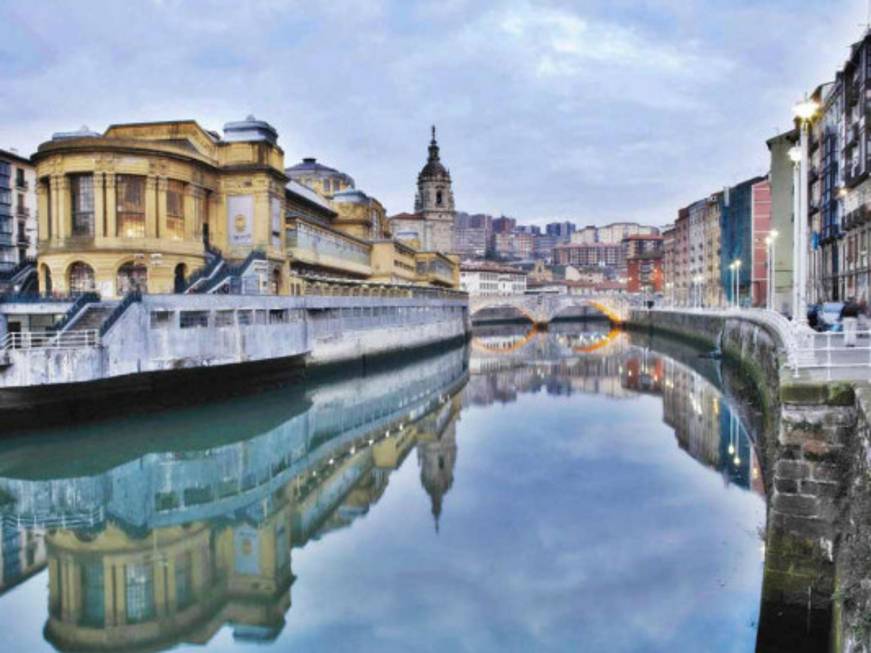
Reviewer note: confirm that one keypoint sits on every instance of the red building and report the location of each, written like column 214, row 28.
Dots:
column 761, row 225
column 645, row 273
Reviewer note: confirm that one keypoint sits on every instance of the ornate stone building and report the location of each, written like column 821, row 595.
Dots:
column 432, row 223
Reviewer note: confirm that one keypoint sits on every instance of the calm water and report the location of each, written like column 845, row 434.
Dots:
column 560, row 491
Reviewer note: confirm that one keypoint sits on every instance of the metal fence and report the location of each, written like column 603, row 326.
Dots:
column 50, row 340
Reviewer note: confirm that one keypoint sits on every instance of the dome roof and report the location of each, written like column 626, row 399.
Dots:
column 309, row 167
column 434, row 168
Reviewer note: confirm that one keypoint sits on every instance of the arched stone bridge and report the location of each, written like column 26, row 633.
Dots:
column 543, row 308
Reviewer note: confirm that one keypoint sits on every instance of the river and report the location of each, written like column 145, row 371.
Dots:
column 575, row 489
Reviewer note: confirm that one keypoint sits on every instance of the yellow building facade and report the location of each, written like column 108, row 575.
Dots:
column 142, row 206
column 135, row 206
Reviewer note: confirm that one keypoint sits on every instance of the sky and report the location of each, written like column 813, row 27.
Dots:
column 586, row 110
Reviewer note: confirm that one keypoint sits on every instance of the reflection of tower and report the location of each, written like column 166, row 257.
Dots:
column 437, row 457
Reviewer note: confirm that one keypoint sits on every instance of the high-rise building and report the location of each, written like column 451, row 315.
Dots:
column 472, row 234
column 18, row 221
column 737, row 233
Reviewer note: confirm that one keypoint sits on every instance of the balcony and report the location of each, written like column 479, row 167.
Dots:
column 435, row 268
column 321, row 246
column 21, row 184
column 22, row 212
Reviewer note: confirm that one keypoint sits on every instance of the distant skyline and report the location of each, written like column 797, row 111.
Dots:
column 592, row 111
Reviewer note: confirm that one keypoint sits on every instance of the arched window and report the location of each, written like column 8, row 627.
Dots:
column 180, row 274
column 81, row 278
column 438, row 198
column 46, row 279
column 275, row 285
column 131, row 277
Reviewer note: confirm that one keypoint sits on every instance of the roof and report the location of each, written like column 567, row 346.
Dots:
column 6, row 154
column 310, row 166
column 406, row 216
column 489, row 266
column 643, row 237
column 308, row 194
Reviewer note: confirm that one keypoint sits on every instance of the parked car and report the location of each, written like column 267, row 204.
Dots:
column 830, row 314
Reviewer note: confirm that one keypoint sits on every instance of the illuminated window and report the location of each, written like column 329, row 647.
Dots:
column 130, row 193
column 81, row 278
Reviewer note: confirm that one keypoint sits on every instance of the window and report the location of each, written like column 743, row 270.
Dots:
column 81, row 277
column 19, row 178
column 140, row 592
column 244, row 317
column 93, row 594
column 277, row 316
column 161, row 319
column 224, row 318
column 194, row 319
column 175, row 209
column 82, row 196
column 130, row 195
column 438, row 198
column 184, row 580
column 131, row 277
column 260, row 317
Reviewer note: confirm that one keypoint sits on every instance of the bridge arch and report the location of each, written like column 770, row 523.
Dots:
column 542, row 308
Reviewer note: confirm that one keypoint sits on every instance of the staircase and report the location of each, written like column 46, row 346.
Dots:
column 92, row 318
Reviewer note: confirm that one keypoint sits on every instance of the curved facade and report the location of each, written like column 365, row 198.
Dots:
column 135, row 206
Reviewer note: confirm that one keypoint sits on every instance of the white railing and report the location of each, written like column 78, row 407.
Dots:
column 829, row 351
column 805, row 348
column 50, row 340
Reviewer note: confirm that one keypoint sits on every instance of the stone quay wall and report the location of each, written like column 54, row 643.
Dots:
column 814, row 442
column 176, row 332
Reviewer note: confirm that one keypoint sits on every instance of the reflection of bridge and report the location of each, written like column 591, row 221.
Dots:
column 543, row 308
column 531, row 344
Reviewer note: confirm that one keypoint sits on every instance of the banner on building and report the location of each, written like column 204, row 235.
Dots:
column 240, row 219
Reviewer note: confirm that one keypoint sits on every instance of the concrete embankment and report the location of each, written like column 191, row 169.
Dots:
column 179, row 349
column 814, row 443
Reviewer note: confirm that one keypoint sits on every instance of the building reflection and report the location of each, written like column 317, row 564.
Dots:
column 591, row 358
column 168, row 547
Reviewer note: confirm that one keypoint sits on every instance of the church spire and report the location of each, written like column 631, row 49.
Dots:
column 433, row 147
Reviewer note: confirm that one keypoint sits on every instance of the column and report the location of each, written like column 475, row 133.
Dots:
column 161, row 208
column 65, row 227
column 111, row 206
column 54, row 201
column 151, row 206
column 191, row 193
column 43, row 232
column 99, row 207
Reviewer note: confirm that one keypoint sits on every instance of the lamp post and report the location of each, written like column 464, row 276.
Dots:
column 770, row 240
column 804, row 112
column 737, row 277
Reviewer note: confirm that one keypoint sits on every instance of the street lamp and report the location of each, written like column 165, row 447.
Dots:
column 804, row 112
column 770, row 240
column 736, row 280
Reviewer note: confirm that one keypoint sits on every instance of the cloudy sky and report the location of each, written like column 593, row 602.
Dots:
column 591, row 110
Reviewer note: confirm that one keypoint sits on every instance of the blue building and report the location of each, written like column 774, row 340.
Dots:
column 17, row 210
column 736, row 231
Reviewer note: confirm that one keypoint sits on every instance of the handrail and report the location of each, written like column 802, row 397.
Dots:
column 205, row 271
column 133, row 296
column 73, row 311
column 24, row 340
column 8, row 275
column 231, row 271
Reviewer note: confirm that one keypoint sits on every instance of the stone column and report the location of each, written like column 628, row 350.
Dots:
column 54, row 196
column 191, row 193
column 99, row 207
column 151, row 206
column 162, row 230
column 65, row 225
column 42, row 202
column 111, row 206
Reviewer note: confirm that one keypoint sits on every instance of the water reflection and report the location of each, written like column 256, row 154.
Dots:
column 169, row 529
